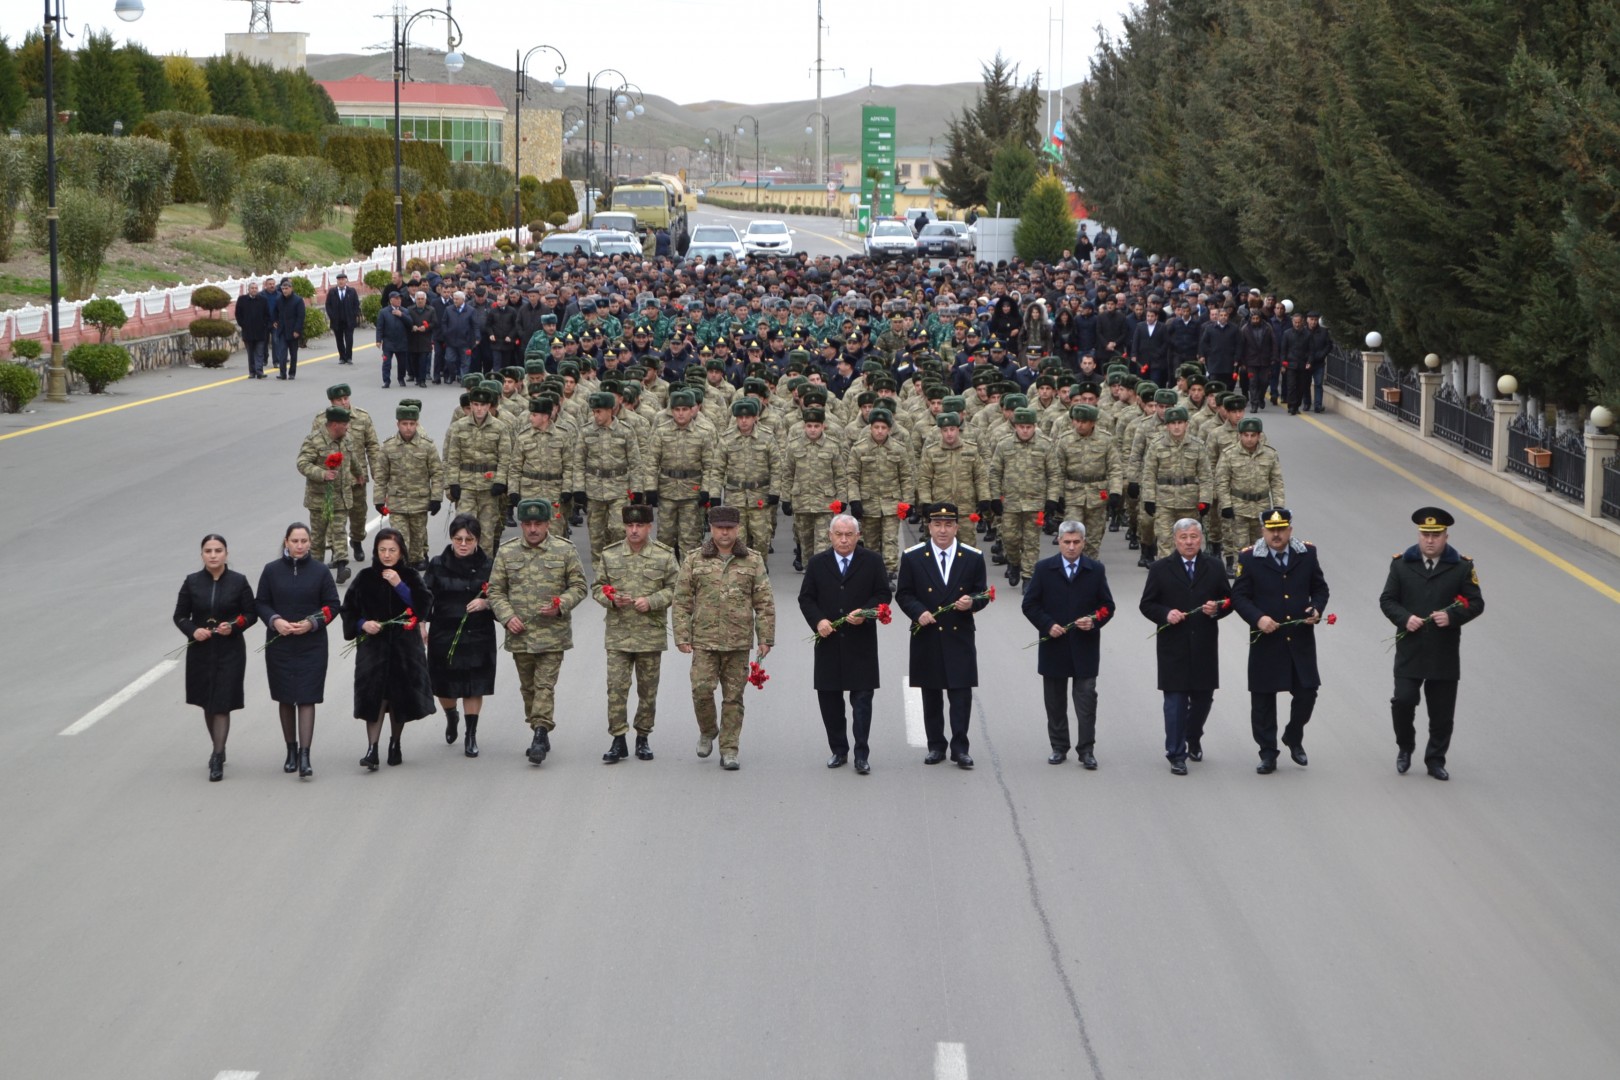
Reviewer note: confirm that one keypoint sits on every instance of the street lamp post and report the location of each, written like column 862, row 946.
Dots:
column 129, row 11
column 521, row 92
column 720, row 145
column 823, row 141
column 453, row 63
column 618, row 97
column 741, row 131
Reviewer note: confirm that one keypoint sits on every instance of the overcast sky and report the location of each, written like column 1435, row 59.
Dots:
column 752, row 51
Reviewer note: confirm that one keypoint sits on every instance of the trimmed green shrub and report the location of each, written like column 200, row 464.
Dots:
column 371, row 306
column 557, row 219
column 145, row 169
column 268, row 215
column 213, row 169
column 430, row 217
column 26, row 349
column 89, row 224
column 98, row 365
column 419, row 265
column 374, row 226
column 314, row 323
column 211, row 328
column 107, row 316
column 210, row 357
column 377, row 279
column 184, row 188
column 1045, row 226
column 210, row 298
column 18, row 386
column 504, row 244
column 303, row 287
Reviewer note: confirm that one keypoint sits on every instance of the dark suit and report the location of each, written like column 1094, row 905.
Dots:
column 342, row 315
column 1428, row 662
column 1151, row 352
column 1052, row 598
column 847, row 660
column 1188, row 652
column 1283, row 661
column 944, row 657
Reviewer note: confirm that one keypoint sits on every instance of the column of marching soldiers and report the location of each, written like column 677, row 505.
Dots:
column 1119, row 455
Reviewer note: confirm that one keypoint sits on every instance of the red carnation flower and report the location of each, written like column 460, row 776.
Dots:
column 1331, row 619
column 836, row 506
column 973, row 518
column 759, row 503
column 326, row 613
column 1040, row 518
column 489, row 476
column 1102, row 613
column 1103, row 495
column 385, row 510
column 902, row 509
column 334, row 459
column 410, row 624
column 992, row 593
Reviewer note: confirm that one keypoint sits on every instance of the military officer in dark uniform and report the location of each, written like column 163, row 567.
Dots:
column 936, row 573
column 1431, row 591
column 1281, row 593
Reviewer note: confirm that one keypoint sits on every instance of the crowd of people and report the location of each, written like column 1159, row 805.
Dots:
column 1108, row 392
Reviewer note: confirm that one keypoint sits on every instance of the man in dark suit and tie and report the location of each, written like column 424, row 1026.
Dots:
column 342, row 315
column 840, row 583
column 944, row 659
column 1067, row 601
column 1280, row 581
column 1187, row 594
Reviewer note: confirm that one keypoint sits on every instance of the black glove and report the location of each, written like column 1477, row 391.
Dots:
column 787, row 508
column 995, row 506
column 703, row 499
column 1114, row 500
column 639, row 498
column 455, row 493
column 1149, row 508
column 651, row 498
column 379, row 506
column 497, row 490
column 1134, row 490
column 1063, row 506
column 580, row 501
column 434, row 506
column 984, row 507
column 1051, row 508
column 856, row 510
column 513, row 498
column 772, row 500
column 1203, row 508
column 1226, row 512
column 914, row 515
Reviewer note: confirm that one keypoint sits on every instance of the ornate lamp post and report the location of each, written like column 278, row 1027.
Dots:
column 742, row 131
column 520, row 93
column 453, row 63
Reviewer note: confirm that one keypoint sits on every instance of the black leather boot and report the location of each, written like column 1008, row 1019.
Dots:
column 216, row 767
column 292, row 758
column 369, row 760
column 470, row 745
column 540, row 747
column 616, row 752
column 394, row 756
column 451, row 719
column 643, row 750
column 305, row 769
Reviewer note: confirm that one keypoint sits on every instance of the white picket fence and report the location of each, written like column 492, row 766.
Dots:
column 31, row 319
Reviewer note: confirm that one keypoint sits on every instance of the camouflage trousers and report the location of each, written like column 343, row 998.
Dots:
column 810, row 533
column 645, row 666
column 1094, row 516
column 729, row 671
column 603, row 517
column 758, row 522
column 1146, row 526
column 1244, row 530
column 357, row 513
column 1020, row 539
column 881, row 533
column 414, row 528
column 680, row 524
column 1164, row 520
column 1132, row 513
column 328, row 534
column 537, row 680
column 490, row 510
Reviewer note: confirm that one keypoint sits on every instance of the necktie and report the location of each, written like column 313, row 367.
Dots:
column 843, row 566
column 1282, row 561
column 1190, row 567
column 1070, row 567
column 1428, row 564
column 944, row 566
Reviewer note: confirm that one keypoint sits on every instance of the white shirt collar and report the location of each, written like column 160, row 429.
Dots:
column 949, row 553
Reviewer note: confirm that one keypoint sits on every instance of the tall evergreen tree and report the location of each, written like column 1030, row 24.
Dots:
column 1046, row 227
column 31, row 69
column 188, row 86
column 231, row 87
column 106, row 90
column 12, row 95
column 1004, row 111
column 1012, row 175
column 149, row 78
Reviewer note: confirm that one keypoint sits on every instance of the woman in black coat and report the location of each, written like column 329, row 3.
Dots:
column 1066, row 339
column 390, row 665
column 1008, row 325
column 214, row 608
column 297, row 598
column 458, row 578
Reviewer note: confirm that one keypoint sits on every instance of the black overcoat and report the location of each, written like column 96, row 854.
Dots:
column 215, row 668
column 1287, row 654
column 1433, row 652
column 391, row 667
column 1189, row 652
column 295, row 589
column 1051, row 598
column 944, row 656
column 455, row 582
column 848, row 660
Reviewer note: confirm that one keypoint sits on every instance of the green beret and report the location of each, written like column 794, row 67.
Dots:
column 637, row 515
column 881, row 415
column 1174, row 415
column 1250, row 423
column 337, row 414
column 682, row 399
column 407, row 412
column 1165, row 397
column 601, row 400
column 335, row 392
column 1083, row 412
column 482, row 395
column 534, row 367
column 1023, row 416
column 745, row 406
column 470, row 380
column 815, row 416
column 533, row 510
column 948, row 419
column 1014, row 401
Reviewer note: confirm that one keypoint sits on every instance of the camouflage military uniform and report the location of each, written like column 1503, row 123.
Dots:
column 1092, row 471
column 326, row 500
column 542, row 465
column 880, row 476
column 1024, row 475
column 746, row 470
column 409, row 476
column 954, row 475
column 815, row 473
column 475, row 460
column 1175, row 478
column 678, row 464
column 635, row 640
column 362, row 440
column 1248, row 482
column 608, row 459
column 1143, row 434
column 523, row 582
column 722, row 604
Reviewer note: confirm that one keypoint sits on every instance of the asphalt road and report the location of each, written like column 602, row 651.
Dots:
column 489, row 919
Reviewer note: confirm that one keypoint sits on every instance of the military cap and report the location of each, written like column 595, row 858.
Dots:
column 470, row 380
column 407, row 412
column 815, row 415
column 696, row 392
column 1045, row 381
column 813, row 395
column 414, row 402
column 1165, row 397
column 568, row 368
column 955, row 403
column 881, row 416
column 544, row 403
column 1250, row 423
column 466, row 399
column 1215, row 386
column 714, row 365
column 637, row 515
column 533, row 510
column 587, row 305
column 753, row 343
column 1235, row 401
column 1120, row 368
column 1196, row 379
column 513, row 372
column 1432, row 519
column 724, row 515
column 482, row 395
column 1087, row 388
column 1115, row 378
column 682, row 399
column 948, row 419
column 996, row 345
column 1024, row 416
column 985, row 376
column 797, row 382
column 335, row 392
column 1013, row 401
column 337, row 414
column 630, row 391
column 1131, row 382
column 1083, row 412
column 1278, row 517
column 745, row 406
column 534, row 367
column 1174, row 415
column 547, row 318
column 601, row 400
column 569, row 339
column 933, row 392
column 834, row 341
column 871, row 367
column 942, row 511
column 1146, row 387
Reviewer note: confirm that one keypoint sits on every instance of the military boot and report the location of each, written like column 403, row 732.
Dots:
column 1131, row 540
column 617, row 752
column 705, row 745
column 540, row 747
column 1015, row 575
column 643, row 750
column 1146, row 557
column 728, row 761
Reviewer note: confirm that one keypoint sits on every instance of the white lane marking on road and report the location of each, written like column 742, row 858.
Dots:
column 236, row 1074
column 950, row 1061
column 372, row 523
column 916, row 734
column 102, row 711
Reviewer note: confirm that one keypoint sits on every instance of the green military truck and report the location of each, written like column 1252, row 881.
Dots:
column 658, row 201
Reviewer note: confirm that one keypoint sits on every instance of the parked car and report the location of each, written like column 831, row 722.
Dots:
column 615, row 220
column 568, row 243
column 890, row 239
column 613, row 242
column 768, row 238
column 700, row 252
column 939, row 240
column 718, row 235
column 967, row 235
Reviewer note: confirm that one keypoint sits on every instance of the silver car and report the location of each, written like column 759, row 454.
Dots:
column 890, row 239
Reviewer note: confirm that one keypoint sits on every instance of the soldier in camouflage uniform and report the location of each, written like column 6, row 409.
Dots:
column 680, row 455
column 410, row 482
column 541, row 464
column 607, row 458
column 815, row 473
column 326, row 492
column 723, row 605
column 1024, row 481
column 880, row 477
column 1143, row 433
column 635, row 581
column 1133, row 415
column 1248, row 482
column 362, row 458
column 746, row 473
column 533, row 587
column 1176, row 478
column 953, row 471
column 475, row 454
column 1092, row 474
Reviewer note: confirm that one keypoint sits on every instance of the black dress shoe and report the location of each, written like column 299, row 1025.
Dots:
column 1298, row 754
column 836, row 760
column 540, row 747
column 934, row 757
column 1087, row 760
column 1269, row 765
column 643, row 750
column 798, row 564
column 862, row 766
column 1057, row 757
column 1403, row 761
column 1179, row 768
column 1439, row 772
column 292, row 758
column 963, row 761
column 216, row 766
column 369, row 760
column 394, row 755
column 1196, row 753
column 617, row 752
column 451, row 720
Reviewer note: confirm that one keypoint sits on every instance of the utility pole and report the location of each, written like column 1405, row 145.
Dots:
column 821, row 173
